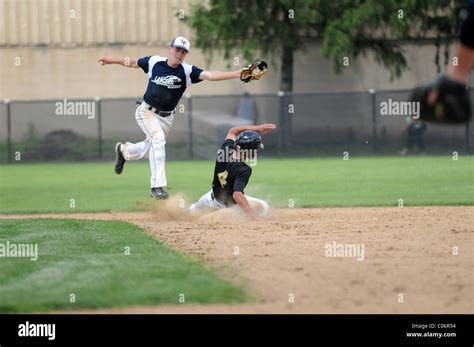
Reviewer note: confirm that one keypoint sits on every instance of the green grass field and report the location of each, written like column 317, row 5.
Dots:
column 88, row 259
column 365, row 181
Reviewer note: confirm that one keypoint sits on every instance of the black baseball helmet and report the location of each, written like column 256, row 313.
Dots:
column 249, row 139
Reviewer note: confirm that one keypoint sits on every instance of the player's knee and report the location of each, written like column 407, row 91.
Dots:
column 158, row 140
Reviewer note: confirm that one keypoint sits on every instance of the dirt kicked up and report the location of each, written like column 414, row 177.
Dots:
column 325, row 260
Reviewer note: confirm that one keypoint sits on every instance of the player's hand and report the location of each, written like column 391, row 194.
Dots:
column 256, row 217
column 264, row 128
column 106, row 60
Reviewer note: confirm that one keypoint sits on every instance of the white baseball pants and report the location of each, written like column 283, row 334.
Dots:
column 156, row 130
column 206, row 202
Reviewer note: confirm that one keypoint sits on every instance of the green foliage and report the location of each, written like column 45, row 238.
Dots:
column 347, row 28
column 247, row 26
column 382, row 26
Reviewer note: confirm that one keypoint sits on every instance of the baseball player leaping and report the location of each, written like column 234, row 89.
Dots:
column 168, row 78
column 231, row 173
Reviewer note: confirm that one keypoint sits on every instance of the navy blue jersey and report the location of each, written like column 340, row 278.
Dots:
column 166, row 85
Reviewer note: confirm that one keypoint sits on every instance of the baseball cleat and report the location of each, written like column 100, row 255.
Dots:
column 159, row 193
column 119, row 159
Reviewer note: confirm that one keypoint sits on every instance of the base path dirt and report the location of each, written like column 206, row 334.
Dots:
column 403, row 260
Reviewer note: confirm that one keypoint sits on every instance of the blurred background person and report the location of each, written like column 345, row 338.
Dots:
column 247, row 108
column 446, row 98
column 415, row 131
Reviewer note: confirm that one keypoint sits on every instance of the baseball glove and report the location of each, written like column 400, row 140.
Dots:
column 450, row 105
column 253, row 71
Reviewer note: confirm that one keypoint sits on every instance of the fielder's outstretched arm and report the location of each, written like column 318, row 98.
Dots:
column 126, row 61
column 262, row 129
column 246, row 74
column 219, row 75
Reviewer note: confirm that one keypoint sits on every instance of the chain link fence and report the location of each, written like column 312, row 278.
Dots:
column 309, row 124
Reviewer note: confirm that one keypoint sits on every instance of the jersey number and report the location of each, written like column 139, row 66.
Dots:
column 223, row 178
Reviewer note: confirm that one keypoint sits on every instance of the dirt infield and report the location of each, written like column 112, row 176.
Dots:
column 414, row 260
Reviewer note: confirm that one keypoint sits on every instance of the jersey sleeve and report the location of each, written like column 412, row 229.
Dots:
column 242, row 179
column 143, row 63
column 228, row 144
column 195, row 72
